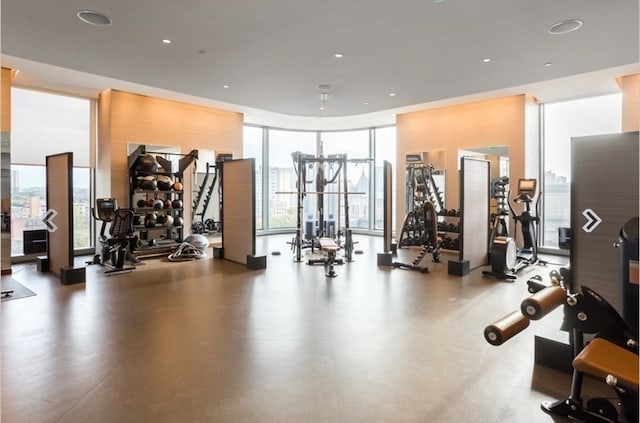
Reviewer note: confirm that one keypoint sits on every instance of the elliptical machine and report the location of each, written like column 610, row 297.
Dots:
column 116, row 248
column 505, row 258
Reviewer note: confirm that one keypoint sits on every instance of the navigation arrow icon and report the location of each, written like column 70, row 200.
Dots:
column 48, row 220
column 593, row 220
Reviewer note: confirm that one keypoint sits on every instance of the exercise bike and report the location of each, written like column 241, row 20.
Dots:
column 116, row 248
column 505, row 258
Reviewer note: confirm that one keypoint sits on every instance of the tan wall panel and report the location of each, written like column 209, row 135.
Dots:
column 146, row 120
column 630, row 86
column 6, row 100
column 495, row 122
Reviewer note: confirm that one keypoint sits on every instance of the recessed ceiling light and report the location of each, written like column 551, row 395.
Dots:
column 548, row 65
column 225, row 86
column 486, row 59
column 366, row 103
column 338, row 55
column 93, row 18
column 564, row 27
column 392, row 94
column 166, row 41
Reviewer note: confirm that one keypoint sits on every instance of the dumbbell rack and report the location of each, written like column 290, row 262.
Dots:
column 449, row 229
column 158, row 238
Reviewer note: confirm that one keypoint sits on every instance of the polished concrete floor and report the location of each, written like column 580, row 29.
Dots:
column 211, row 341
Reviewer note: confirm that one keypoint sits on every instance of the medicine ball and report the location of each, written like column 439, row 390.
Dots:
column 158, row 204
column 142, row 203
column 200, row 242
column 176, row 204
column 150, row 220
column 167, row 204
column 164, row 182
column 150, row 202
column 137, row 220
column 162, row 219
column 169, row 220
column 146, row 163
column 178, row 221
column 146, row 182
column 177, row 186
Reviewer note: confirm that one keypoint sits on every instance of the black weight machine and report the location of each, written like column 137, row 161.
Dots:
column 324, row 236
column 212, row 178
column 117, row 247
column 505, row 258
column 424, row 203
column 611, row 356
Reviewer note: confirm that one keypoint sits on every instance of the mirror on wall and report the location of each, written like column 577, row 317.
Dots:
column 5, row 188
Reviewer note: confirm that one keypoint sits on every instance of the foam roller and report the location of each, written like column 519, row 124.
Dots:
column 506, row 328
column 542, row 302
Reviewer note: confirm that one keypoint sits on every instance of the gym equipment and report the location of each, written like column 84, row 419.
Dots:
column 330, row 248
column 186, row 252
column 334, row 166
column 164, row 182
column 198, row 241
column 150, row 220
column 422, row 225
column 146, row 182
column 205, row 194
column 611, row 356
column 117, row 247
column 176, row 204
column 146, row 163
column 505, row 258
column 629, row 278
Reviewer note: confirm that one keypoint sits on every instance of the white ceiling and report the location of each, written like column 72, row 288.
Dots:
column 273, row 55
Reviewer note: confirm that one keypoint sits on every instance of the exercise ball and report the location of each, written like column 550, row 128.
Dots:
column 137, row 219
column 150, row 220
column 168, row 220
column 200, row 242
column 150, row 202
column 158, row 204
column 146, row 163
column 162, row 219
column 177, row 186
column 167, row 204
column 142, row 203
column 146, row 182
column 164, row 182
column 178, row 221
column 176, row 204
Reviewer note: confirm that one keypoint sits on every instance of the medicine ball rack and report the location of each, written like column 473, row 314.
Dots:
column 160, row 221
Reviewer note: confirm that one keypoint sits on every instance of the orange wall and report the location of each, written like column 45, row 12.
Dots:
column 510, row 121
column 630, row 86
column 6, row 100
column 129, row 118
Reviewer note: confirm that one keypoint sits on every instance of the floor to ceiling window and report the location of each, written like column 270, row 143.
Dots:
column 276, row 176
column 561, row 122
column 385, row 150
column 43, row 124
column 354, row 145
column 282, row 175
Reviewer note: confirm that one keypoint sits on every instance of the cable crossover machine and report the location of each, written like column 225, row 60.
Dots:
column 322, row 235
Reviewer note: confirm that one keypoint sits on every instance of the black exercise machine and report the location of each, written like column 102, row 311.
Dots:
column 116, row 248
column 505, row 258
column 611, row 356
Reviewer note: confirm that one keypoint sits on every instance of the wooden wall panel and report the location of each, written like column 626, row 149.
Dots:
column 498, row 122
column 140, row 119
column 630, row 86
column 6, row 100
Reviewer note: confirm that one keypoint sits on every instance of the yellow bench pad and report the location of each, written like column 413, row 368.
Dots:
column 601, row 358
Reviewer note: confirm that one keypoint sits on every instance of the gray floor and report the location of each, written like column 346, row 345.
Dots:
column 210, row 341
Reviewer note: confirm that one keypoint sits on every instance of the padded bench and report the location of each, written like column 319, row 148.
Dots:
column 601, row 358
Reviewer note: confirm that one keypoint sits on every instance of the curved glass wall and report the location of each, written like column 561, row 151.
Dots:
column 276, row 176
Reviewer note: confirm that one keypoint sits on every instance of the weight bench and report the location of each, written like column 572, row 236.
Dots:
column 328, row 246
column 611, row 363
